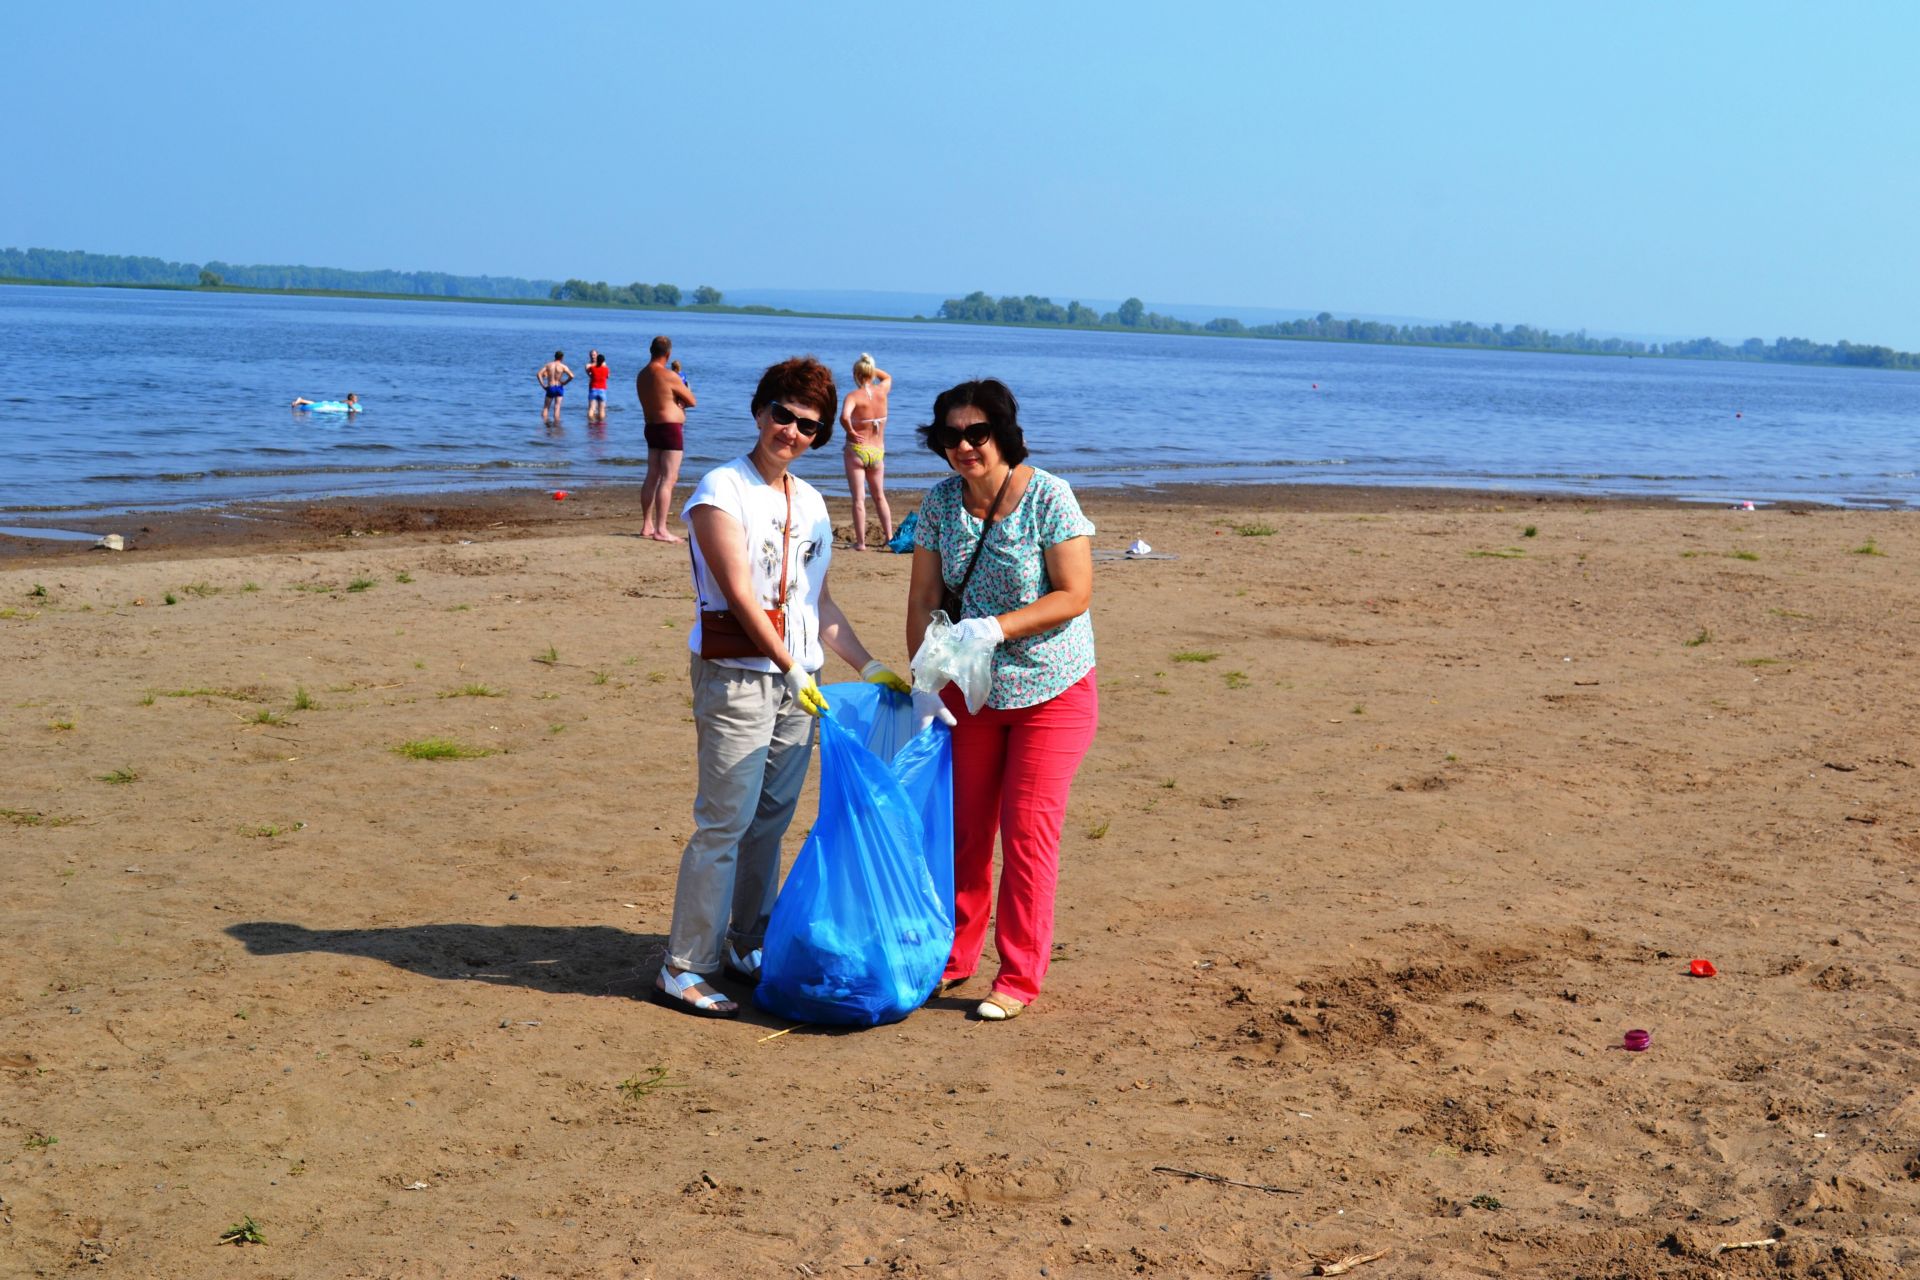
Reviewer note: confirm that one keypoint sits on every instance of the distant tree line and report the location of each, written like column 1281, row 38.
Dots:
column 980, row 308
column 82, row 267
column 631, row 295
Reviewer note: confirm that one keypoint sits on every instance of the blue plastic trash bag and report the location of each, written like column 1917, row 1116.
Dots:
column 862, row 927
column 944, row 657
column 902, row 540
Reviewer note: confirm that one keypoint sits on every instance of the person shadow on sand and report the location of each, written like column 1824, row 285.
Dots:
column 578, row 960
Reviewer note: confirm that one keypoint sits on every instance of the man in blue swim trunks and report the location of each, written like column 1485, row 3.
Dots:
column 553, row 377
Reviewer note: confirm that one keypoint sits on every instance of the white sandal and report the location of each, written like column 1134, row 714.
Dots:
column 671, row 989
column 744, row 967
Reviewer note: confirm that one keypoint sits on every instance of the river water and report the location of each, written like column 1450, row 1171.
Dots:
column 114, row 400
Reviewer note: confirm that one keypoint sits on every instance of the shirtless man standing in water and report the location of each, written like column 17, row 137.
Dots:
column 864, row 414
column 664, row 399
column 553, row 376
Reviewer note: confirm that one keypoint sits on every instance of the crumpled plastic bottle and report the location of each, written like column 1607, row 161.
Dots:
column 945, row 656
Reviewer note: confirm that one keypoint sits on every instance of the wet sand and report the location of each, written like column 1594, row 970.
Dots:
column 1399, row 817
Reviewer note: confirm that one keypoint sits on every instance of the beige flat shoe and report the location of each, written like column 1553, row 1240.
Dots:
column 998, row 1008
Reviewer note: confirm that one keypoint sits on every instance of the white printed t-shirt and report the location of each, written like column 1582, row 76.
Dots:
column 737, row 488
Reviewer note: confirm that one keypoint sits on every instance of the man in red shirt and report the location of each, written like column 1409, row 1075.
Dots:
column 597, row 372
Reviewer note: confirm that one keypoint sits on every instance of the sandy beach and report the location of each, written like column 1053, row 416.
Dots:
column 1405, row 806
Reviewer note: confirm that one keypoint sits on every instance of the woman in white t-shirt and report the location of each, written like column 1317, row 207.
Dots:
column 761, row 542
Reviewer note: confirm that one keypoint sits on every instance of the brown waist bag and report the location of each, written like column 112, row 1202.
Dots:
column 723, row 635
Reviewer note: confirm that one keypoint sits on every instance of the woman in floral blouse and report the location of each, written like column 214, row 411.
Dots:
column 1028, row 593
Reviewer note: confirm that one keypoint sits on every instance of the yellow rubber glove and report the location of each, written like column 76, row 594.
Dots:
column 878, row 672
column 804, row 690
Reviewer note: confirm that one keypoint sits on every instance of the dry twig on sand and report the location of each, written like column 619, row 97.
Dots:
column 1768, row 1243
column 1346, row 1264
column 1225, row 1182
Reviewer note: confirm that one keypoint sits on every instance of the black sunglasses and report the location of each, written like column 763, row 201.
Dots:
column 785, row 417
column 950, row 437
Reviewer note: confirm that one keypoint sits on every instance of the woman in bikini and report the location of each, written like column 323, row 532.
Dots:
column 864, row 415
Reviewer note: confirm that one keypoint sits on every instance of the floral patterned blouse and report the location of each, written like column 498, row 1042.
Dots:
column 1012, row 574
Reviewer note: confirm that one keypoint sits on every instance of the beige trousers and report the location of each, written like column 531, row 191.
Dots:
column 754, row 746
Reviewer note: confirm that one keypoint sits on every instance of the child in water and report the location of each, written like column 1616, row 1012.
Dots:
column 352, row 402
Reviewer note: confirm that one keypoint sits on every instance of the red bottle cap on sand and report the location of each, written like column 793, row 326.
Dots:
column 1701, row 968
column 559, row 495
column 1637, row 1041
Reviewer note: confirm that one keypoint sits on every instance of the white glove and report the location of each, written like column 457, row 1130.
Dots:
column 927, row 708
column 975, row 630
column 805, row 692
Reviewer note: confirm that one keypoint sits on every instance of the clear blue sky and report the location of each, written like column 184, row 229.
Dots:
column 1703, row 168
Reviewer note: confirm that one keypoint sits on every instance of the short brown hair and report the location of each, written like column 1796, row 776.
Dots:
column 659, row 347
column 803, row 380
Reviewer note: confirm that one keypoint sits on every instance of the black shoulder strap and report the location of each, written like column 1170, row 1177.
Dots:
column 986, row 527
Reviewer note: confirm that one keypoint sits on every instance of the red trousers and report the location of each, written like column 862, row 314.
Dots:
column 1012, row 771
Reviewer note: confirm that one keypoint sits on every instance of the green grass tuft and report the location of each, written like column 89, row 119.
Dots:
column 473, row 691
column 120, row 777
column 27, row 818
column 1505, row 553
column 1867, row 548
column 1737, row 554
column 1195, row 655
column 1704, row 637
column 362, row 584
column 440, row 749
column 549, row 658
column 1237, row 680
column 1255, row 530
column 245, row 1231
column 1531, row 531
column 403, row 577
column 634, row 1088
column 302, row 700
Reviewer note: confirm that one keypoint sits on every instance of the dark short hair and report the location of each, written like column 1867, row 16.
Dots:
column 659, row 347
column 991, row 397
column 803, row 380
column 559, row 355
